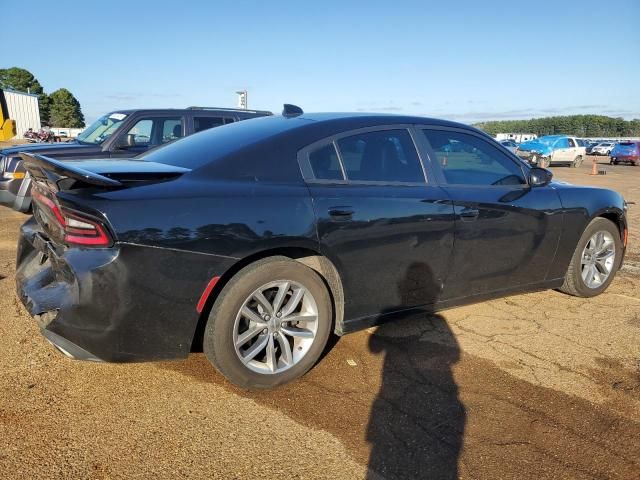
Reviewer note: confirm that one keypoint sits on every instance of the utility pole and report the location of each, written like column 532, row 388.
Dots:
column 243, row 99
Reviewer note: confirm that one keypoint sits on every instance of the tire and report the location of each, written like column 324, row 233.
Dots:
column 576, row 162
column 545, row 162
column 226, row 324
column 574, row 283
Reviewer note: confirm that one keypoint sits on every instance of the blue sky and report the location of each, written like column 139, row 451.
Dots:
column 462, row 60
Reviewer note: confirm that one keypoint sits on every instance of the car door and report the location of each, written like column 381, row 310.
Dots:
column 506, row 231
column 387, row 229
column 148, row 132
column 562, row 151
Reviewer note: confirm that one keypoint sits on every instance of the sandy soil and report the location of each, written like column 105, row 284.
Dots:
column 533, row 386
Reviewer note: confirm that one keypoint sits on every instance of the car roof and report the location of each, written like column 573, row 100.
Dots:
column 377, row 118
column 280, row 133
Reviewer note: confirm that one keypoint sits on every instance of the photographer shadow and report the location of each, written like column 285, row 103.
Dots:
column 416, row 424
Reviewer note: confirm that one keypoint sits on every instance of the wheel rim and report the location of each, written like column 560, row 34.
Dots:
column 275, row 327
column 598, row 258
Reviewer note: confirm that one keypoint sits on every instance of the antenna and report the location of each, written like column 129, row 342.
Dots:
column 290, row 110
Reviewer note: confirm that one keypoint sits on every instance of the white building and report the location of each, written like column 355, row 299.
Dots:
column 24, row 109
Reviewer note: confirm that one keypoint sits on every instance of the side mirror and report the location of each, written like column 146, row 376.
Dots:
column 539, row 177
column 126, row 141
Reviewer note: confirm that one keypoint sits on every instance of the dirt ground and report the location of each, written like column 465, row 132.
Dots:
column 535, row 386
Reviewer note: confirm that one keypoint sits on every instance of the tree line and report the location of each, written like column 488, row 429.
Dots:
column 576, row 125
column 57, row 109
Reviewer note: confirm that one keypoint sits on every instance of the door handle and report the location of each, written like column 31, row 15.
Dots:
column 341, row 213
column 469, row 214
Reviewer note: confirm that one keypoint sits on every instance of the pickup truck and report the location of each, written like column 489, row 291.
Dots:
column 120, row 134
column 552, row 150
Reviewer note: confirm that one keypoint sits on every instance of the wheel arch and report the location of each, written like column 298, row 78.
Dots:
column 311, row 258
column 616, row 217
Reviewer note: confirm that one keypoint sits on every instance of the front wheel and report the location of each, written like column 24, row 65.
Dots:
column 269, row 324
column 545, row 162
column 595, row 260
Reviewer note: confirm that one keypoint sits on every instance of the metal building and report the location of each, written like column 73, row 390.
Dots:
column 24, row 109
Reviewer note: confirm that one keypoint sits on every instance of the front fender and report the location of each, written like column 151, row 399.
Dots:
column 580, row 206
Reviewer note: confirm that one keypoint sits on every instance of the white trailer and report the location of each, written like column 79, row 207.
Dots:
column 24, row 109
column 516, row 137
column 66, row 132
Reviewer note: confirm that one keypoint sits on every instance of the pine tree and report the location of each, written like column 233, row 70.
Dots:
column 65, row 110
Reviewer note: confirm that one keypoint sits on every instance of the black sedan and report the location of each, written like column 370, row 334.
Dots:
column 256, row 241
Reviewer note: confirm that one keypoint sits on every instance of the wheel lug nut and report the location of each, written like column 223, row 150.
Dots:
column 264, row 331
column 279, row 314
column 283, row 324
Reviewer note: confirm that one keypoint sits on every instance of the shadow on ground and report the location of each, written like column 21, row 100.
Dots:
column 397, row 410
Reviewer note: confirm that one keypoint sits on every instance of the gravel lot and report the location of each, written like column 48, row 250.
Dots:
column 532, row 386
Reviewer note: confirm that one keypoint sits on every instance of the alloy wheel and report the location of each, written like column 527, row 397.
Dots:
column 598, row 258
column 275, row 327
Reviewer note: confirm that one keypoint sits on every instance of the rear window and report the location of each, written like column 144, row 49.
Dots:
column 205, row 123
column 209, row 145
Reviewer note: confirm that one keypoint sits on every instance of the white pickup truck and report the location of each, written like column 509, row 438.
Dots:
column 552, row 149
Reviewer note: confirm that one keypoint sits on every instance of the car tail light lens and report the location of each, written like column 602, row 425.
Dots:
column 79, row 228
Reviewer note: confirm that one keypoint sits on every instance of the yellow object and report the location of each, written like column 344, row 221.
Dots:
column 7, row 126
column 16, row 175
column 7, row 129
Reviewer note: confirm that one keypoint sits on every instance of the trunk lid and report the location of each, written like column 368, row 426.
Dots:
column 70, row 221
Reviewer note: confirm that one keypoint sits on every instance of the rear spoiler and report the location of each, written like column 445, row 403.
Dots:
column 50, row 169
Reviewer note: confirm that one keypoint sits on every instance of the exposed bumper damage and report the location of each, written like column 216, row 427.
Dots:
column 102, row 304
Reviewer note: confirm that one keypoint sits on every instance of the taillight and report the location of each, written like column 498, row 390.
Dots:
column 79, row 228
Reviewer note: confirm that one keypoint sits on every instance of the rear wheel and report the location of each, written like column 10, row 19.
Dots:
column 595, row 260
column 576, row 162
column 269, row 324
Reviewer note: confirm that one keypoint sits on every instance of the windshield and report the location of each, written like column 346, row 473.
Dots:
column 102, row 128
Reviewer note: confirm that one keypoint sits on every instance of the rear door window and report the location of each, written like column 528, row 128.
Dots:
column 381, row 156
column 205, row 123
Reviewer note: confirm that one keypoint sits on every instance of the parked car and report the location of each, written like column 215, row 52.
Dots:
column 603, row 148
column 590, row 146
column 628, row 152
column 120, row 134
column 256, row 240
column 509, row 145
column 552, row 149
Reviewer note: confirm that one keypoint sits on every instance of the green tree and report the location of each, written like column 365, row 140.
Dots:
column 65, row 110
column 578, row 125
column 19, row 79
column 22, row 80
column 44, row 102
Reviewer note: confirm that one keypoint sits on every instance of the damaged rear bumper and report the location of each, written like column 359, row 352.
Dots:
column 121, row 304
